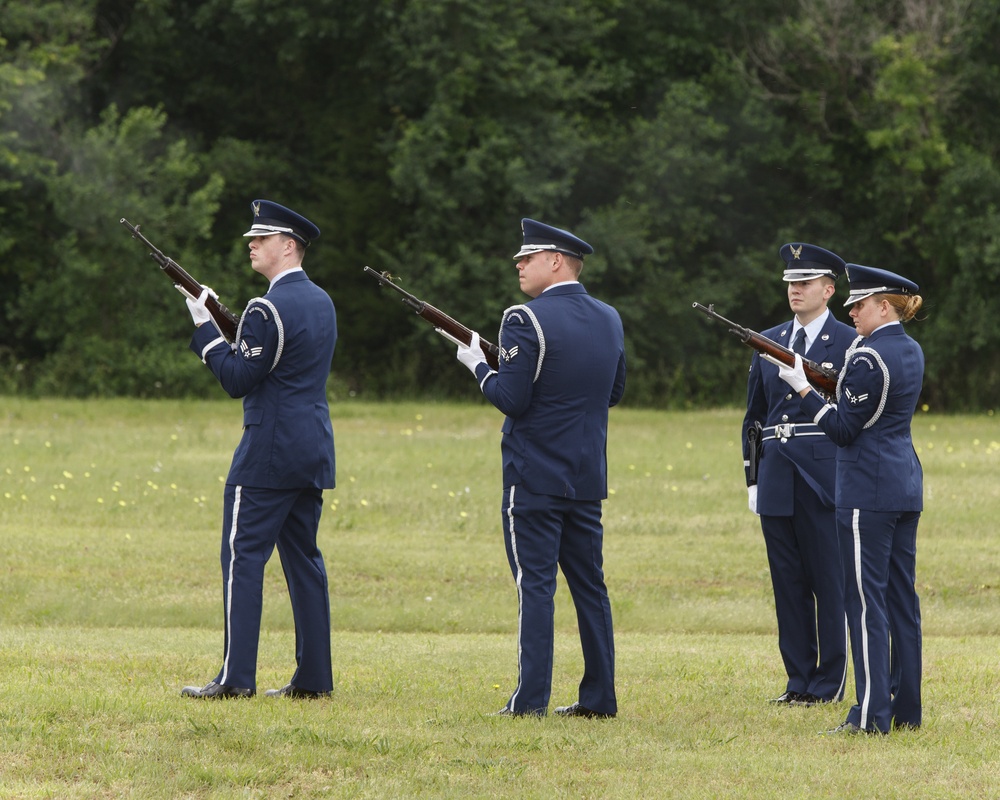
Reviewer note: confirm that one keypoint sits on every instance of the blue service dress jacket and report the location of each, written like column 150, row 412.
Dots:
column 771, row 402
column 279, row 367
column 563, row 367
column 877, row 393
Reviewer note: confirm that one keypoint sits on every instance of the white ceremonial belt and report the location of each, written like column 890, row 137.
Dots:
column 790, row 430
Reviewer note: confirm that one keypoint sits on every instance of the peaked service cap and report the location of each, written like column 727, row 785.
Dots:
column 538, row 237
column 803, row 262
column 866, row 281
column 270, row 218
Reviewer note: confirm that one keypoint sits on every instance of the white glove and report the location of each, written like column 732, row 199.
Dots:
column 472, row 355
column 752, row 498
column 190, row 296
column 794, row 376
column 199, row 314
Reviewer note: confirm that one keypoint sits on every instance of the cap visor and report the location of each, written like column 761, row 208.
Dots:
column 852, row 299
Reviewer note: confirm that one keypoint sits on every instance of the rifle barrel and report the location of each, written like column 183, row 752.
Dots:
column 226, row 321
column 823, row 378
column 448, row 326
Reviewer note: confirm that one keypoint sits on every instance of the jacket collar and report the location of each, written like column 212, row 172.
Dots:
column 567, row 287
column 289, row 275
column 889, row 329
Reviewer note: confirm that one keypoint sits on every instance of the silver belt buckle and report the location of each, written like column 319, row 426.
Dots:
column 784, row 431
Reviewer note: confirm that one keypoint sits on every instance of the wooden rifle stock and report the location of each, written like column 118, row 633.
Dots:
column 225, row 320
column 449, row 328
column 824, row 379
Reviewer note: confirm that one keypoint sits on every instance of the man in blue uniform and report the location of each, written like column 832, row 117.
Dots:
column 793, row 484
column 278, row 364
column 562, row 366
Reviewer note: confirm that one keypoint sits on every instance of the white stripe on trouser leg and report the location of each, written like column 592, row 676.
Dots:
column 229, row 585
column 866, row 700
column 517, row 583
column 847, row 643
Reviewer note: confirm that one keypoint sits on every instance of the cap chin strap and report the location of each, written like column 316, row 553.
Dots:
column 531, row 249
column 860, row 293
column 857, row 295
column 259, row 230
column 268, row 230
column 808, row 275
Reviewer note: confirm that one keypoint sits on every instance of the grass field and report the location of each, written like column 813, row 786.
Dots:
column 110, row 516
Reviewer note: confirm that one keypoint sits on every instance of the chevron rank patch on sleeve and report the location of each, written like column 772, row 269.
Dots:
column 249, row 352
column 854, row 399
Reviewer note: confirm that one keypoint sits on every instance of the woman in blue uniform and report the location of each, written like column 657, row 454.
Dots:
column 879, row 495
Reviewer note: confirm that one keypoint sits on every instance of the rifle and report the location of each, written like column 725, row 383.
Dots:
column 823, row 378
column 226, row 321
column 449, row 328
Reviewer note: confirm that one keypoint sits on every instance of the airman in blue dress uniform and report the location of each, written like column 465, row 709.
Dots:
column 792, row 488
column 879, row 496
column 279, row 364
column 562, row 365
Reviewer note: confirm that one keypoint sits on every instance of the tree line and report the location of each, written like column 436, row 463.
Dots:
column 687, row 141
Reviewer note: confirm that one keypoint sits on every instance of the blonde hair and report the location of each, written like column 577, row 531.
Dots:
column 905, row 305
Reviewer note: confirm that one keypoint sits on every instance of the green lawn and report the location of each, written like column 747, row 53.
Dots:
column 110, row 516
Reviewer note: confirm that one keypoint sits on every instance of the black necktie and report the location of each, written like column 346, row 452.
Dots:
column 799, row 345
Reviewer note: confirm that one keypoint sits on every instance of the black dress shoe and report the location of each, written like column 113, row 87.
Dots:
column 850, row 729
column 787, row 698
column 576, row 710
column 809, row 699
column 216, row 691
column 507, row 712
column 288, row 690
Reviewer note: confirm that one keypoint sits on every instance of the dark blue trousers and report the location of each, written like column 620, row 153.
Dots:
column 543, row 534
column 807, row 576
column 883, row 610
column 254, row 523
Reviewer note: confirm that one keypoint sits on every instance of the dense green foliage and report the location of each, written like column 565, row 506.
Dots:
column 686, row 141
